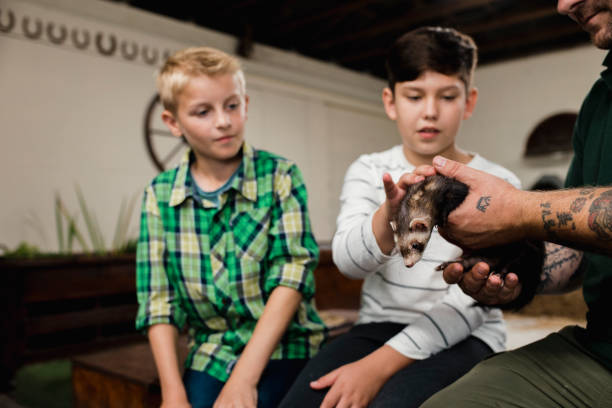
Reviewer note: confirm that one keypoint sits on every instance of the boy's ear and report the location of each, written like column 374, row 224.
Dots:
column 470, row 103
column 389, row 101
column 170, row 121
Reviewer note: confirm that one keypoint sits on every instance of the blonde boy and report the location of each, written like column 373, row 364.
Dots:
column 225, row 247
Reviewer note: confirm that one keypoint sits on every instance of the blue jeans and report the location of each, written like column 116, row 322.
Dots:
column 203, row 389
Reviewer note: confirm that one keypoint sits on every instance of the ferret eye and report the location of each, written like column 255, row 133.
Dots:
column 418, row 246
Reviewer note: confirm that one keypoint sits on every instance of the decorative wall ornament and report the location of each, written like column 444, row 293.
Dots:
column 102, row 49
column 161, row 154
column 149, row 58
column 60, row 37
column 38, row 28
column 106, row 44
column 8, row 27
column 129, row 50
column 79, row 43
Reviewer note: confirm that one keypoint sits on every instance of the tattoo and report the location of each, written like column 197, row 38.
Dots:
column 578, row 204
column 561, row 271
column 548, row 223
column 483, row 203
column 600, row 216
column 564, row 218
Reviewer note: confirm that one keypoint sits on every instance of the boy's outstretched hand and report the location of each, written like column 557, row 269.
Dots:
column 394, row 193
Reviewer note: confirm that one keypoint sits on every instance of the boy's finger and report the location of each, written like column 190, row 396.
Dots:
column 390, row 187
column 326, row 381
column 408, row 179
column 425, row 170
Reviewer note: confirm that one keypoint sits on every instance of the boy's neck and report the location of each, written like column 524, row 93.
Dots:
column 453, row 153
column 210, row 175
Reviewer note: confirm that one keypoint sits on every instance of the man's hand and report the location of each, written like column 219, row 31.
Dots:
column 356, row 384
column 237, row 394
column 484, row 288
column 490, row 214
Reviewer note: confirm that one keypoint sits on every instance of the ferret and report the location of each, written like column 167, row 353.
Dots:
column 428, row 203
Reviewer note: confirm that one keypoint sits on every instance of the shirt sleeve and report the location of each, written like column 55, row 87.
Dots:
column 292, row 251
column 447, row 323
column 156, row 296
column 354, row 247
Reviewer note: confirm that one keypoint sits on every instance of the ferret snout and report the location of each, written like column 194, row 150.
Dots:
column 411, row 251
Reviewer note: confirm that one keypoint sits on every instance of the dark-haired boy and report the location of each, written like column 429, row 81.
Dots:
column 415, row 334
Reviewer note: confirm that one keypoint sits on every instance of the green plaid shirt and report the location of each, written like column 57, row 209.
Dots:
column 214, row 267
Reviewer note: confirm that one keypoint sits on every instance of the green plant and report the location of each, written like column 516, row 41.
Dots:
column 68, row 231
column 120, row 242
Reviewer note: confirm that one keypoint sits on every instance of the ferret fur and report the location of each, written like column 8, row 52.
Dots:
column 428, row 203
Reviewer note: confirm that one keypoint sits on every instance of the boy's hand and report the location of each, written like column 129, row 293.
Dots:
column 484, row 288
column 237, row 394
column 490, row 215
column 356, row 384
column 394, row 193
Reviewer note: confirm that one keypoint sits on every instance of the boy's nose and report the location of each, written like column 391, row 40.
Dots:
column 431, row 108
column 223, row 120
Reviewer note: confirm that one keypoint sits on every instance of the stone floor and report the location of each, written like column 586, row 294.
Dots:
column 526, row 329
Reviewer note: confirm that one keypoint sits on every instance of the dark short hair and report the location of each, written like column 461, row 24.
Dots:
column 438, row 49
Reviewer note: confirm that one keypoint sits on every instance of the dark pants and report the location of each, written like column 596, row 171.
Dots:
column 409, row 387
column 203, row 389
column 554, row 372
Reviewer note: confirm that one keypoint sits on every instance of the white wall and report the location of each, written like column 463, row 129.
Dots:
column 516, row 95
column 73, row 116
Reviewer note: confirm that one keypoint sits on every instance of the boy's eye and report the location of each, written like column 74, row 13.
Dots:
column 449, row 97
column 202, row 112
column 233, row 106
column 413, row 97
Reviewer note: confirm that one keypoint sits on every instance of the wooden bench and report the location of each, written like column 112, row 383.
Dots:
column 126, row 376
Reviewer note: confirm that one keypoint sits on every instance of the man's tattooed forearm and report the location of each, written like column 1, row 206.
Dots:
column 600, row 216
column 483, row 203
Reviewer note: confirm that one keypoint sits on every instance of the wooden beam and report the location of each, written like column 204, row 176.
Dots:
column 493, row 24
column 413, row 17
column 509, row 20
column 315, row 17
column 530, row 38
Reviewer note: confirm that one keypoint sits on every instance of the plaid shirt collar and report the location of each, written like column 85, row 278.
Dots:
column 245, row 181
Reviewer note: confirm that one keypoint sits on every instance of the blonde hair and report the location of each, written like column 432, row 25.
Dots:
column 192, row 62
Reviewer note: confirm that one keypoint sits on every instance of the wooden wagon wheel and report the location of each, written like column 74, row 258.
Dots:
column 163, row 147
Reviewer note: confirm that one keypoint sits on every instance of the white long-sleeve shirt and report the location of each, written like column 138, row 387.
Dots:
column 437, row 315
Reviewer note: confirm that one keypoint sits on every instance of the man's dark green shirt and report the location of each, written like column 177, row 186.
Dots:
column 213, row 265
column 592, row 166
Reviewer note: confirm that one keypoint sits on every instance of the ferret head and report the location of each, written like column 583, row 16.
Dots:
column 411, row 238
